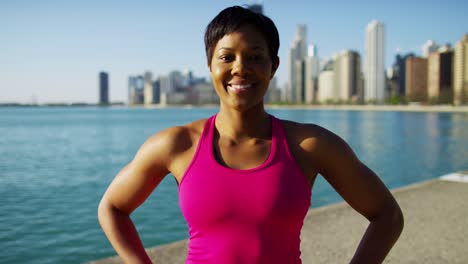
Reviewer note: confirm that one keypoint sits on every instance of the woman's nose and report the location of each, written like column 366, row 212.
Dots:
column 240, row 67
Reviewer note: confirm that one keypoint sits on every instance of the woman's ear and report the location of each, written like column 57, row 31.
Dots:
column 274, row 66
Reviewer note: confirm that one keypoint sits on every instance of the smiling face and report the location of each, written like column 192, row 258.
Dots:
column 241, row 68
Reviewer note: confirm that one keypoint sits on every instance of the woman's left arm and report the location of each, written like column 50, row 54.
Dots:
column 362, row 189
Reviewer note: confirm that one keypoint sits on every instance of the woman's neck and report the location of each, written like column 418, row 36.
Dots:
column 237, row 125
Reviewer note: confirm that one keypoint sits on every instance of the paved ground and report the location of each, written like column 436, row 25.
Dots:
column 436, row 229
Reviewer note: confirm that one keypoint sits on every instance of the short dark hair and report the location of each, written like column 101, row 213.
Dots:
column 231, row 19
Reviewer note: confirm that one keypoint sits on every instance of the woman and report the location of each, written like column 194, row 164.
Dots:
column 245, row 177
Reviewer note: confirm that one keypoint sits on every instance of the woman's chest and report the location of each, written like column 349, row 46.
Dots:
column 210, row 196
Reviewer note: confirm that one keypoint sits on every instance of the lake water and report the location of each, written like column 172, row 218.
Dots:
column 55, row 164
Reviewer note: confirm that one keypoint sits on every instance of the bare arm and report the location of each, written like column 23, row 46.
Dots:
column 130, row 188
column 364, row 191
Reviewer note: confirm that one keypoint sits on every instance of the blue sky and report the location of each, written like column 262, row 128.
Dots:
column 53, row 50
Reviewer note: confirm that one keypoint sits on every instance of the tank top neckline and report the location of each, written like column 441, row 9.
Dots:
column 265, row 163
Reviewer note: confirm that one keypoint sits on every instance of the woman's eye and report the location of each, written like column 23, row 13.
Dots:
column 225, row 58
column 256, row 58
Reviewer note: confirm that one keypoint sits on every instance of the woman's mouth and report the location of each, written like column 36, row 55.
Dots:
column 239, row 88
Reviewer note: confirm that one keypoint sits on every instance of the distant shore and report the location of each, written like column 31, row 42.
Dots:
column 405, row 108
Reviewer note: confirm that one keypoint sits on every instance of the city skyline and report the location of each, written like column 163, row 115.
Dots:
column 51, row 51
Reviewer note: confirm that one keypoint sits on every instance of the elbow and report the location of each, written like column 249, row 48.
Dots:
column 395, row 220
column 398, row 220
column 102, row 211
column 105, row 212
column 391, row 219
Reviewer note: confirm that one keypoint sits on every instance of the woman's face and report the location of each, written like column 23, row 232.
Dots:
column 241, row 68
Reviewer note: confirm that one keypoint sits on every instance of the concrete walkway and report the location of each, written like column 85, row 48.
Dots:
column 436, row 228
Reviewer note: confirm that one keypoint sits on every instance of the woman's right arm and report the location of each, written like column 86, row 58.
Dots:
column 130, row 188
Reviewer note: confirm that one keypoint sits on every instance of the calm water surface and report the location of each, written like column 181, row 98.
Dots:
column 55, row 164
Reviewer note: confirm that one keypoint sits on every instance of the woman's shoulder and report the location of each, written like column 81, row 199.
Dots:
column 311, row 142
column 309, row 136
column 307, row 130
column 174, row 140
column 180, row 134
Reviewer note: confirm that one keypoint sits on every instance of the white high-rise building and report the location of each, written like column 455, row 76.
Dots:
column 326, row 92
column 375, row 62
column 301, row 38
column 148, row 88
column 298, row 52
column 428, row 47
column 165, row 85
column 460, row 72
column 347, row 68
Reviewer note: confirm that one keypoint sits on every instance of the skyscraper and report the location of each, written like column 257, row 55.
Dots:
column 460, row 72
column 439, row 66
column 148, row 88
column 375, row 63
column 399, row 72
column 156, row 92
column 416, row 79
column 135, row 90
column 103, row 88
column 299, row 89
column 297, row 54
column 428, row 47
column 132, row 91
column 326, row 92
column 312, row 71
column 347, row 69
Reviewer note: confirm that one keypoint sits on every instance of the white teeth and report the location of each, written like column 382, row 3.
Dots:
column 241, row 86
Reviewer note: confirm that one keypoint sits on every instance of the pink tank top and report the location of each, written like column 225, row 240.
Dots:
column 244, row 216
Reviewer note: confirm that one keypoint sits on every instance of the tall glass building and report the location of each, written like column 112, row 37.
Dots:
column 103, row 88
column 374, row 63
